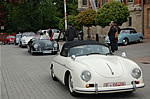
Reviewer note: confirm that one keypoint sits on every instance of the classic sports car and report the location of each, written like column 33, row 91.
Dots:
column 89, row 67
column 9, row 40
column 42, row 44
column 25, row 38
column 127, row 35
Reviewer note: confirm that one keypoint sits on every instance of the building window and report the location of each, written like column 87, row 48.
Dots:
column 84, row 2
column 130, row 21
column 130, row 0
column 148, row 17
column 103, row 2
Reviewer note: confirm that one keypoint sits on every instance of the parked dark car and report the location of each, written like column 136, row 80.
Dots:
column 43, row 45
column 9, row 40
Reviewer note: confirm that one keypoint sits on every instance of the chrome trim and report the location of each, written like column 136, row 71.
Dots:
column 108, row 91
column 63, row 65
column 110, row 69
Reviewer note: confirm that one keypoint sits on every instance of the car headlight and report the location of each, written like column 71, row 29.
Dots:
column 136, row 73
column 55, row 45
column 36, row 46
column 86, row 76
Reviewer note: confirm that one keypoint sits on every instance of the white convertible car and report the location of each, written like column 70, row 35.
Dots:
column 89, row 67
column 25, row 38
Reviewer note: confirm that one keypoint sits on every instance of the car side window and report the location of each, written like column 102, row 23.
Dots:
column 64, row 52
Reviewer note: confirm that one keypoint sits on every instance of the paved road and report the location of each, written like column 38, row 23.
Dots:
column 24, row 76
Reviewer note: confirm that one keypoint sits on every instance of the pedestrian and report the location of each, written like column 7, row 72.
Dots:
column 70, row 33
column 116, row 35
column 111, row 35
column 50, row 32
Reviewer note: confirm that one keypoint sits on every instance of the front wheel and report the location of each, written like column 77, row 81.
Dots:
column 53, row 75
column 125, row 41
column 32, row 52
column 140, row 39
column 8, row 43
column 3, row 43
column 28, row 49
column 55, row 52
column 70, row 86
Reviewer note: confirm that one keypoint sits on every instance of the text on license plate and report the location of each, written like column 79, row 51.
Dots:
column 114, row 84
column 46, row 51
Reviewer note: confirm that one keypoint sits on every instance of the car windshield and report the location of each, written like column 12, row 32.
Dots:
column 42, row 37
column 28, row 34
column 11, row 37
column 88, row 50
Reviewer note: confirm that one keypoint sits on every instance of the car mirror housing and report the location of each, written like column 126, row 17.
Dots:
column 73, row 57
column 124, row 54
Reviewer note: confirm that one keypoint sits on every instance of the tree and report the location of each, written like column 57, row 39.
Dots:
column 70, row 19
column 30, row 15
column 86, row 18
column 71, row 6
column 112, row 10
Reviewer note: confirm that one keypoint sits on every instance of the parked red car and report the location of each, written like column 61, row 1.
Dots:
column 9, row 40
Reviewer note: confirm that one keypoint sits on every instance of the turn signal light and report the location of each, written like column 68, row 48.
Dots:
column 89, row 85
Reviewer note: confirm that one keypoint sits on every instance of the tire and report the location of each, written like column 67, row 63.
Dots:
column 8, row 43
column 70, row 86
column 55, row 52
column 53, row 75
column 3, row 43
column 140, row 39
column 31, row 49
column 125, row 41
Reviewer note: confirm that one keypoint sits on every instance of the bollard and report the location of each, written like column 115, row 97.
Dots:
column 97, row 38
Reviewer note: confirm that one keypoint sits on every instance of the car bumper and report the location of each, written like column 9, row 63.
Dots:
column 45, row 51
column 96, row 90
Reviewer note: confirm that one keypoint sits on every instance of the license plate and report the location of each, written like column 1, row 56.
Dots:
column 114, row 84
column 47, row 51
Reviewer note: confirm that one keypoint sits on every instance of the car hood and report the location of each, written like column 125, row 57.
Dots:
column 27, row 38
column 107, row 66
column 44, row 43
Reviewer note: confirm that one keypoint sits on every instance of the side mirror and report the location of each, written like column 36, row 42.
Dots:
column 124, row 54
column 73, row 57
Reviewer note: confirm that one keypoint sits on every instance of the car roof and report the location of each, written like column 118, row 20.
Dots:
column 70, row 44
column 127, row 29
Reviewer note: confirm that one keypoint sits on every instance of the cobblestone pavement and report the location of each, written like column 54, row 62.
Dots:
column 24, row 76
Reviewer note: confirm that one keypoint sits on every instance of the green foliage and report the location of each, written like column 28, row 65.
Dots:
column 112, row 11
column 71, row 7
column 71, row 20
column 30, row 15
column 86, row 18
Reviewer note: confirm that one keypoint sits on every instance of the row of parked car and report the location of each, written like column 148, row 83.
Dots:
column 35, row 42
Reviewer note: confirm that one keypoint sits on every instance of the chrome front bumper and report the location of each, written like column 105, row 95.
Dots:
column 96, row 89
column 45, row 51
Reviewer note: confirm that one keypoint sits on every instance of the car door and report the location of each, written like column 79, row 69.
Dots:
column 134, row 35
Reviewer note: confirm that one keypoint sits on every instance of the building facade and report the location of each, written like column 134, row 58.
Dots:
column 134, row 6
column 147, row 18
